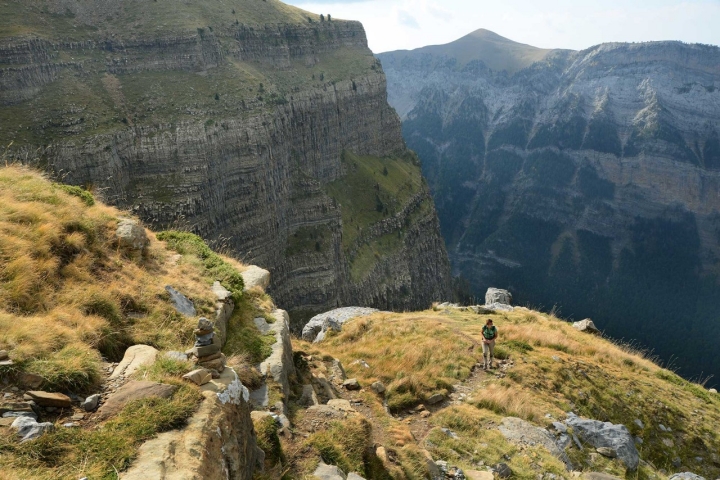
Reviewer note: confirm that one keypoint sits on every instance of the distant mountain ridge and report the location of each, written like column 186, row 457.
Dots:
column 587, row 180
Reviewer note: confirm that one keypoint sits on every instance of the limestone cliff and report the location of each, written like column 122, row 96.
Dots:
column 229, row 120
column 587, row 180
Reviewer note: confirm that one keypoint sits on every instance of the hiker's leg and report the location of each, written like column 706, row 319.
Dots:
column 486, row 352
column 492, row 352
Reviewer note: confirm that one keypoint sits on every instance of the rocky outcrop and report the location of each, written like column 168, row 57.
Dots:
column 279, row 365
column 317, row 327
column 218, row 441
column 616, row 438
column 134, row 358
column 566, row 178
column 233, row 128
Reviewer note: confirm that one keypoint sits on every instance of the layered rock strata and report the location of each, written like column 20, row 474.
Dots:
column 229, row 120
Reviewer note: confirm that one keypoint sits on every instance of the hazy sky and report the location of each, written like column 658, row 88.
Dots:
column 576, row 24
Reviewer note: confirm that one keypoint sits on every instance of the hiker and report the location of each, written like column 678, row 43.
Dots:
column 489, row 333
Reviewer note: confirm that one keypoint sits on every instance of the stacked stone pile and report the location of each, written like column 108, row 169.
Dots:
column 207, row 349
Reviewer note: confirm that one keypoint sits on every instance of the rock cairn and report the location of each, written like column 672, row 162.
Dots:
column 207, row 348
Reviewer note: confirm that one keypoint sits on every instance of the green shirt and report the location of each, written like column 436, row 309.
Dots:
column 489, row 332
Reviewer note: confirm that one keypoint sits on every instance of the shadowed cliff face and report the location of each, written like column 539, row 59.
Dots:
column 588, row 181
column 228, row 120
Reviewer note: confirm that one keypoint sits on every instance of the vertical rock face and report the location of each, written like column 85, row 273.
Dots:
column 587, row 180
column 229, row 120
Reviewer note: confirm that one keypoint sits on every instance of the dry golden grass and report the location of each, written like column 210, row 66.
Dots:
column 555, row 369
column 68, row 294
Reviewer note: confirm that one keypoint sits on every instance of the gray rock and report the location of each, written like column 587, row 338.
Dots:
column 606, row 452
column 686, row 476
column 639, row 423
column 254, row 276
column 317, row 327
column 605, row 434
column 279, row 364
column 328, row 472
column 520, row 432
column 91, row 402
column 712, row 390
column 378, row 387
column 503, row 470
column 587, row 326
column 351, row 384
column 309, row 397
column 134, row 358
column 131, row 236
column 449, row 433
column 437, row 398
column 354, row 476
column 498, row 296
column 221, row 293
column 560, row 427
column 181, row 303
column 19, row 414
column 29, row 429
column 663, row 428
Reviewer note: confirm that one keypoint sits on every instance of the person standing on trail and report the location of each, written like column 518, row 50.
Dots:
column 489, row 333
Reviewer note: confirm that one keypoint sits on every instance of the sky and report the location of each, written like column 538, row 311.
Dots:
column 574, row 24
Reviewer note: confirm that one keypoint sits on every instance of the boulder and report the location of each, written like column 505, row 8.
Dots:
column 378, row 387
column 131, row 236
column 605, row 434
column 48, row 399
column 496, row 295
column 135, row 357
column 351, row 384
column 712, row 390
column 437, row 398
column 91, row 403
column 181, row 303
column 29, row 429
column 328, row 472
column 520, row 432
column 133, row 390
column 503, row 470
column 606, row 452
column 316, row 329
column 31, row 380
column 254, row 276
column 686, row 476
column 200, row 376
column 587, row 326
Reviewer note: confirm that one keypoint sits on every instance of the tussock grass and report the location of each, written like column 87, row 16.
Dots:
column 412, row 364
column 343, row 444
column 555, row 369
column 101, row 452
column 68, row 295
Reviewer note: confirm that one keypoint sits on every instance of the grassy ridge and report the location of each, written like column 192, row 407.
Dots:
column 555, row 369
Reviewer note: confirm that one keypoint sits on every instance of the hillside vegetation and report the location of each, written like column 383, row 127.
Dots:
column 72, row 301
column 546, row 369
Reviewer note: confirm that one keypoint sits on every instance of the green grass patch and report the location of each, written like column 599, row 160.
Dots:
column 101, row 452
column 243, row 336
column 74, row 368
column 344, row 444
column 218, row 269
column 81, row 193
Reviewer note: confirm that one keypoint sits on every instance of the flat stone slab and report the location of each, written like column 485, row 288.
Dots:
column 48, row 399
column 135, row 357
column 133, row 390
column 520, row 432
column 605, row 434
column 181, row 303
